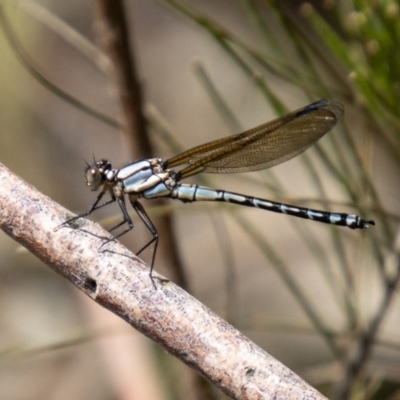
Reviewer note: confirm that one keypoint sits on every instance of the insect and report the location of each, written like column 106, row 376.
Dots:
column 262, row 147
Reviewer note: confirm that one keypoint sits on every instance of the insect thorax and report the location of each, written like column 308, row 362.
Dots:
column 146, row 178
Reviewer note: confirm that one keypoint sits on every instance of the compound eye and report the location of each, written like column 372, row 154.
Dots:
column 93, row 177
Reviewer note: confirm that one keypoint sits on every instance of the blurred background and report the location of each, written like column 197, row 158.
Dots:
column 323, row 300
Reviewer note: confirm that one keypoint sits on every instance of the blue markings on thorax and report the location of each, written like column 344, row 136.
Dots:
column 134, row 175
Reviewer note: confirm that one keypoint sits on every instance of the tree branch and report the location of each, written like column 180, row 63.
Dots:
column 113, row 33
column 119, row 281
column 118, row 44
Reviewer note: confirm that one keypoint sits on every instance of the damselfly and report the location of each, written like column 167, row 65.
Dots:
column 262, row 147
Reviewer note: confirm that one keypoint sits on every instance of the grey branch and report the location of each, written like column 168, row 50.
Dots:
column 119, row 281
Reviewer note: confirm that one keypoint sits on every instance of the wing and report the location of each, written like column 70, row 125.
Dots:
column 264, row 146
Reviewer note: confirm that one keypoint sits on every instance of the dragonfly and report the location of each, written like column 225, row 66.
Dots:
column 259, row 148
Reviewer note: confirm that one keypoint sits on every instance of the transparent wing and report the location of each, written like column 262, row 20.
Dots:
column 264, row 146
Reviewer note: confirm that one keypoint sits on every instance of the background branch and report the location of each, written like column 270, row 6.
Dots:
column 116, row 42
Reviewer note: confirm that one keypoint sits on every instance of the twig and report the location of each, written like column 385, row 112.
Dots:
column 115, row 37
column 119, row 281
column 366, row 340
column 113, row 33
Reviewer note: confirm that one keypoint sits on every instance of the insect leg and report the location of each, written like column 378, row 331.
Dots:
column 127, row 219
column 149, row 225
column 93, row 207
